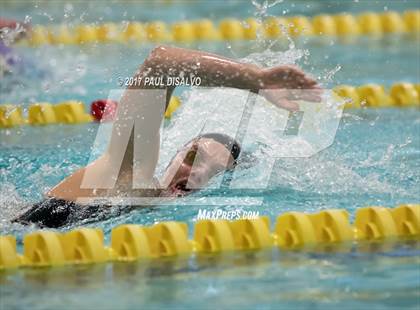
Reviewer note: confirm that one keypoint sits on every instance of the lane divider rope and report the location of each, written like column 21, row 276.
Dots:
column 73, row 112
column 66, row 112
column 328, row 229
column 368, row 23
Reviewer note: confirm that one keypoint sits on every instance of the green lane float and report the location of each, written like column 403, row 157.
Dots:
column 292, row 230
column 343, row 24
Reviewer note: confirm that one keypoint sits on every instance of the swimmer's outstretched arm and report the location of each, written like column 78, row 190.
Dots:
column 214, row 71
column 219, row 71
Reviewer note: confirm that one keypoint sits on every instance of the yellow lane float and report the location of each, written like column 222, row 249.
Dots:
column 400, row 95
column 292, row 231
column 343, row 24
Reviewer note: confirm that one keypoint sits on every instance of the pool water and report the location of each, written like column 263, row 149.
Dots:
column 374, row 160
column 262, row 280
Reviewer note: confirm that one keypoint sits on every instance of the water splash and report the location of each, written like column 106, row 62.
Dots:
column 270, row 58
column 9, row 35
column 261, row 13
column 11, row 204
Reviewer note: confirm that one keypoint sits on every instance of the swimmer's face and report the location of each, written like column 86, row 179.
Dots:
column 194, row 165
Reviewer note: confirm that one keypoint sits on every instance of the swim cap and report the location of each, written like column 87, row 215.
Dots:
column 231, row 144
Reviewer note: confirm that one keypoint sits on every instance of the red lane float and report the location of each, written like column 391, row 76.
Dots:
column 103, row 109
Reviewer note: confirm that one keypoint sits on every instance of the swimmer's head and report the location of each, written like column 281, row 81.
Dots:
column 198, row 161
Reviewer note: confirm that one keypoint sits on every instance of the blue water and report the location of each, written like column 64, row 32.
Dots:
column 374, row 160
column 171, row 11
column 261, row 280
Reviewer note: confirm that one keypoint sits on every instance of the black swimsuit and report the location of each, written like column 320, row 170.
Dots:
column 55, row 213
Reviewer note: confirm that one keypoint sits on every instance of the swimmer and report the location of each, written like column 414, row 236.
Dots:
column 197, row 161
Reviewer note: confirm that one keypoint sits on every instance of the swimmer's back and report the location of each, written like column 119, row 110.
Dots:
column 54, row 213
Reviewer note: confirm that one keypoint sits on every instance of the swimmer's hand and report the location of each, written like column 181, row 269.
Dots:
column 283, row 85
